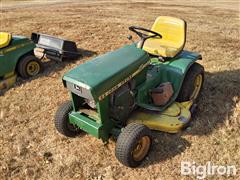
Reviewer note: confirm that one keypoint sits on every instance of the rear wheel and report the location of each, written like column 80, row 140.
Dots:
column 62, row 123
column 192, row 84
column 133, row 144
column 28, row 66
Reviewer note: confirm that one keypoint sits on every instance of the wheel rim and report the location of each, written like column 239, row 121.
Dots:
column 141, row 149
column 33, row 68
column 197, row 86
column 72, row 127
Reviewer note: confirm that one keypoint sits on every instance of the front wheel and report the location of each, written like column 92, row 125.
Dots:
column 192, row 84
column 133, row 144
column 28, row 66
column 62, row 123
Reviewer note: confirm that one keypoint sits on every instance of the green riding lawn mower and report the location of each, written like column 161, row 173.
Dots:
column 17, row 55
column 152, row 84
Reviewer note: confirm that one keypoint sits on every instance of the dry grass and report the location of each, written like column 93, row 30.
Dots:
column 31, row 148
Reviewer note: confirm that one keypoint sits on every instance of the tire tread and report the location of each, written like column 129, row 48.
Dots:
column 187, row 86
column 127, row 140
column 21, row 67
column 61, row 119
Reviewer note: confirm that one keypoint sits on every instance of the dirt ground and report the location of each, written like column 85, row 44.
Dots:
column 30, row 147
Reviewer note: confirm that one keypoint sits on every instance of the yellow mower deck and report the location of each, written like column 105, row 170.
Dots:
column 172, row 120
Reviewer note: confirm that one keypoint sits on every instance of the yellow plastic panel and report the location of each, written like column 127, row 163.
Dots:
column 173, row 31
column 5, row 39
column 173, row 110
column 163, row 121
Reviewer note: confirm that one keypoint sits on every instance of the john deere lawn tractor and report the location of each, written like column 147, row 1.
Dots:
column 16, row 56
column 152, row 84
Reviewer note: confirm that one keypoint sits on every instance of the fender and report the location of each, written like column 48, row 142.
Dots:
column 173, row 71
column 10, row 55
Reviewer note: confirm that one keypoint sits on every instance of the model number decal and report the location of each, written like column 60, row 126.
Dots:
column 114, row 88
column 13, row 48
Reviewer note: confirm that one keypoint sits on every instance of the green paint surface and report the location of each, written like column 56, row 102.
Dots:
column 106, row 71
column 10, row 55
column 172, row 71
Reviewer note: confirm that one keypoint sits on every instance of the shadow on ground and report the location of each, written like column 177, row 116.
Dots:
column 217, row 102
column 50, row 66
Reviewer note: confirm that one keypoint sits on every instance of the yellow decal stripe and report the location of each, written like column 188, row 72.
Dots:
column 114, row 88
column 13, row 48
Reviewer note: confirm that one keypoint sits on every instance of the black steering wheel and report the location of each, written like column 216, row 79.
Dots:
column 140, row 32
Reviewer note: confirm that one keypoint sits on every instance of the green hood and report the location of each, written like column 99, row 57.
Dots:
column 105, row 72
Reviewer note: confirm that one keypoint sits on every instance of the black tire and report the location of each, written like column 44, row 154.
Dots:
column 62, row 123
column 28, row 66
column 187, row 88
column 127, row 142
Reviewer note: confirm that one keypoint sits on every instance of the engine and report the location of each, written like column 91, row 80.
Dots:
column 122, row 103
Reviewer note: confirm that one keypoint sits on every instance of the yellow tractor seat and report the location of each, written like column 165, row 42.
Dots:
column 5, row 39
column 173, row 31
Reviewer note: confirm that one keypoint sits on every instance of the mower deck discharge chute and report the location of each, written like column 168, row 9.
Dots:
column 133, row 90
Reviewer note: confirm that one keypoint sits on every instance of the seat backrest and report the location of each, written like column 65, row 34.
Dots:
column 173, row 30
column 5, row 39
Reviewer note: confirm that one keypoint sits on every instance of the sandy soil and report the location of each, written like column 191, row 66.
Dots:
column 30, row 147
